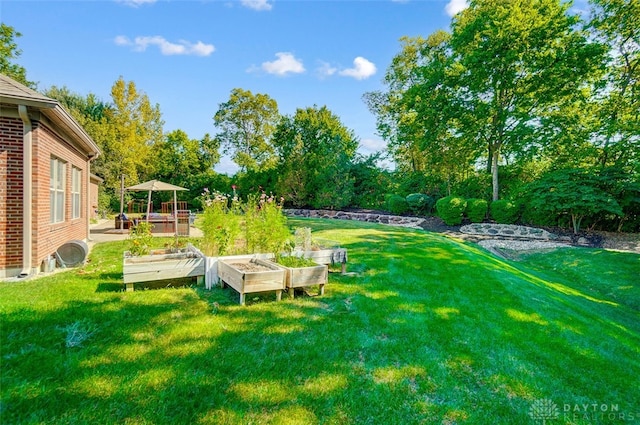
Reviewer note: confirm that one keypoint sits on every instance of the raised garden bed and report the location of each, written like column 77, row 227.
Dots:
column 327, row 256
column 299, row 277
column 163, row 264
column 250, row 275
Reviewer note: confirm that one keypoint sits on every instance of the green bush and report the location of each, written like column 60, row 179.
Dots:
column 396, row 204
column 576, row 193
column 476, row 210
column 505, row 211
column 450, row 209
column 419, row 203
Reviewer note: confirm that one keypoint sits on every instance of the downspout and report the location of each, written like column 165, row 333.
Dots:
column 88, row 197
column 27, row 193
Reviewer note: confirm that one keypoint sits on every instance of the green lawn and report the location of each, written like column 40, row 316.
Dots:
column 428, row 330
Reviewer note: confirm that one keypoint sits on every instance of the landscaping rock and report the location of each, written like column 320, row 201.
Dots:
column 508, row 230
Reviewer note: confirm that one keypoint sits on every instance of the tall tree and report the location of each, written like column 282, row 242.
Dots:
column 9, row 52
column 515, row 60
column 315, row 151
column 247, row 122
column 419, row 113
column 616, row 23
column 137, row 128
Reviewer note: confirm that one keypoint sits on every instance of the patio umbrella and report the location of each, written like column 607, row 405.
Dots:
column 155, row 186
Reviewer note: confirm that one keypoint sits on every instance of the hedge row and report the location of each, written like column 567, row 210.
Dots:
column 415, row 203
column 453, row 209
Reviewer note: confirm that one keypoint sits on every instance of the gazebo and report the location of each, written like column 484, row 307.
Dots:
column 155, row 186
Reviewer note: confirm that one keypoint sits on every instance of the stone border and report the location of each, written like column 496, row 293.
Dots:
column 391, row 220
column 491, row 236
column 522, row 245
column 508, row 231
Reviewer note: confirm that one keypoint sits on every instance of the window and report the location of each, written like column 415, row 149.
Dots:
column 56, row 189
column 76, row 185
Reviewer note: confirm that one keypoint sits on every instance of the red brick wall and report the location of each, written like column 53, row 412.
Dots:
column 47, row 237
column 94, row 189
column 50, row 236
column 10, row 193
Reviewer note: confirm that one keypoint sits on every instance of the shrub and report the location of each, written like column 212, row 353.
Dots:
column 574, row 193
column 476, row 210
column 397, row 204
column 419, row 203
column 505, row 211
column 450, row 209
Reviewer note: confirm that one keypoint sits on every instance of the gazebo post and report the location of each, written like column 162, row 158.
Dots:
column 121, row 202
column 149, row 206
column 175, row 210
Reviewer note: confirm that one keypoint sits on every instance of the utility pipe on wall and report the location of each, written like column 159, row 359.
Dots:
column 27, row 194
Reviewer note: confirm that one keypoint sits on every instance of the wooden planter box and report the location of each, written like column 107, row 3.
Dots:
column 298, row 277
column 246, row 282
column 163, row 264
column 325, row 256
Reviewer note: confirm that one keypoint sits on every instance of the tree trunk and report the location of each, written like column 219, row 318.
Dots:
column 494, row 173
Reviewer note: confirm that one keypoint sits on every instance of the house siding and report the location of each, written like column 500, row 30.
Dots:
column 51, row 236
column 11, row 193
column 94, row 193
column 46, row 237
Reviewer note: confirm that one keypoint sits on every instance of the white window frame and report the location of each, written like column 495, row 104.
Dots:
column 57, row 187
column 76, row 192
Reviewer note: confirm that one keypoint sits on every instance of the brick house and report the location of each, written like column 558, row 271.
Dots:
column 45, row 179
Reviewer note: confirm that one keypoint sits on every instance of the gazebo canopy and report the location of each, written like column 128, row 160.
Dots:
column 155, row 186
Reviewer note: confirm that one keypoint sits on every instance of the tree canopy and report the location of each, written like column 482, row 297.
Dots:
column 480, row 92
column 247, row 122
column 9, row 52
column 314, row 155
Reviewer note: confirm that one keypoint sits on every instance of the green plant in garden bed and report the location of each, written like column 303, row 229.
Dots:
column 431, row 330
column 233, row 226
column 140, row 238
column 291, row 261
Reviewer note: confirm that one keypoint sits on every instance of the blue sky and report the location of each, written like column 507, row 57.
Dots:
column 187, row 56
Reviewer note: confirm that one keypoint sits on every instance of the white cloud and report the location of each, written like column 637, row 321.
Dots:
column 136, row 3
column 325, row 70
column 372, row 145
column 167, row 48
column 361, row 70
column 456, row 6
column 285, row 64
column 257, row 4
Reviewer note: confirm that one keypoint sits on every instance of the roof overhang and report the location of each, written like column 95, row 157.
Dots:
column 16, row 94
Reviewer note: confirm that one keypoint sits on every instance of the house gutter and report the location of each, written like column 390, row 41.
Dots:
column 27, row 193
